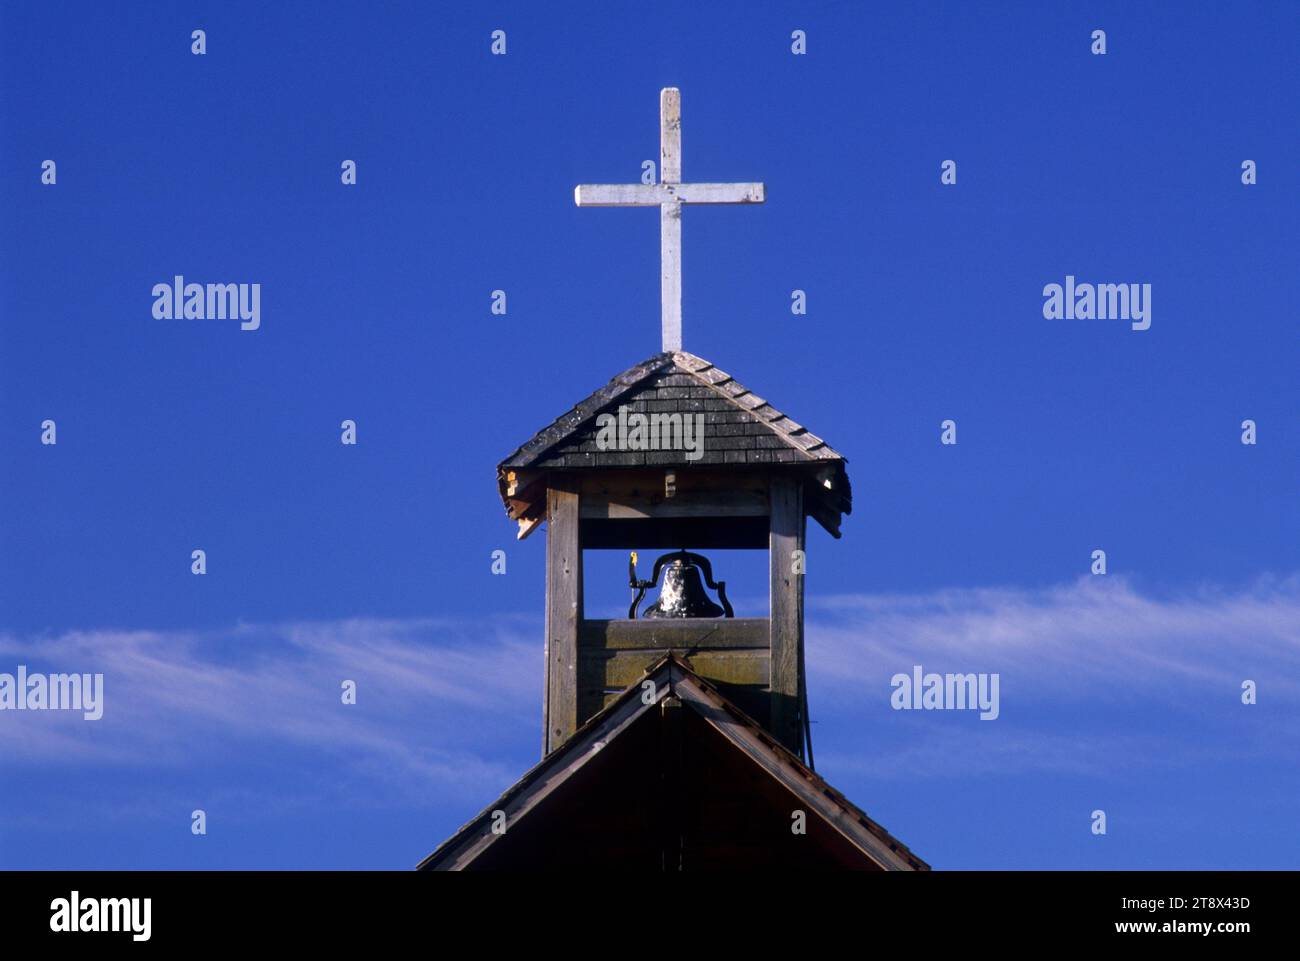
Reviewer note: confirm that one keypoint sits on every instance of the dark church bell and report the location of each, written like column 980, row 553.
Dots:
column 682, row 593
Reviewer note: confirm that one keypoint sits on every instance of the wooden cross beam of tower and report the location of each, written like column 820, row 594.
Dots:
column 668, row 195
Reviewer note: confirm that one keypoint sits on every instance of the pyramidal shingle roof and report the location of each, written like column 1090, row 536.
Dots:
column 676, row 382
column 740, row 429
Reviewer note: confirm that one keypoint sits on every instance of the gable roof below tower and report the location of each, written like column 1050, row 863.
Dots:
column 741, row 431
column 677, row 779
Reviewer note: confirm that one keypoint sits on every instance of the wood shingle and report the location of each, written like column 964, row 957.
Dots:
column 739, row 428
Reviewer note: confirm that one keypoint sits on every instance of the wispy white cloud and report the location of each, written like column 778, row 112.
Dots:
column 436, row 699
column 1096, row 677
column 452, row 707
column 1098, row 633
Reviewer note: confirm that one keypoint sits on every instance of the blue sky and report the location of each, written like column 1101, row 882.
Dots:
column 924, row 303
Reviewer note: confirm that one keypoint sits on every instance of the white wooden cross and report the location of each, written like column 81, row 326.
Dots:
column 668, row 195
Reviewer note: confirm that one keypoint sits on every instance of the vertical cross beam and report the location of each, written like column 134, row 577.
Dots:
column 670, row 218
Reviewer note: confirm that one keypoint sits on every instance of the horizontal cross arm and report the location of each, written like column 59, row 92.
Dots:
column 654, row 195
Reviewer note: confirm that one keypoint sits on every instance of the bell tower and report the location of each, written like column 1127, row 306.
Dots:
column 749, row 479
column 675, row 738
column 674, row 453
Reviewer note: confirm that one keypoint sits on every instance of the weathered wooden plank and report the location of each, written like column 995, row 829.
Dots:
column 563, row 613
column 786, row 537
column 615, row 670
column 683, row 503
column 670, row 274
column 667, row 533
column 670, row 135
column 752, row 699
column 648, row 483
column 670, row 216
column 718, row 633
column 664, row 194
